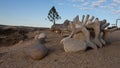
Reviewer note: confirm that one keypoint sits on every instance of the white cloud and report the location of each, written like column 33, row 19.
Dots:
column 116, row 11
column 110, row 6
column 77, row 0
column 113, row 5
column 106, row 7
column 85, row 8
column 74, row 5
column 85, row 4
column 116, row 1
column 95, row 5
column 98, row 3
column 60, row 3
column 82, row 8
column 101, row 1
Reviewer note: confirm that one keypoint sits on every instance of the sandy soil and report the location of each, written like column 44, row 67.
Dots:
column 13, row 55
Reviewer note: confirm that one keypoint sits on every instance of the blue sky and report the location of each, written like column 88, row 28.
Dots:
column 34, row 12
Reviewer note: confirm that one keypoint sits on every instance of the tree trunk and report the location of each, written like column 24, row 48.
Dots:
column 53, row 22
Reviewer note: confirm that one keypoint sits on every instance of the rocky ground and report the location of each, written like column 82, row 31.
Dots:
column 15, row 40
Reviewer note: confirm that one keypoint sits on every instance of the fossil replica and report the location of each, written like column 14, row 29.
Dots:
column 88, row 32
column 62, row 29
column 73, row 45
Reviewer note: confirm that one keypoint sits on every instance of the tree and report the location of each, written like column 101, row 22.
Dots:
column 53, row 15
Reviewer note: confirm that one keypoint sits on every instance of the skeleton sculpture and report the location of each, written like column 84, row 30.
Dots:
column 86, row 31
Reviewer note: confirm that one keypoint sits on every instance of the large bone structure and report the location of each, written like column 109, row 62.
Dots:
column 89, row 30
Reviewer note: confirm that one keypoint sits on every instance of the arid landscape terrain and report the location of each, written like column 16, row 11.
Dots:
column 15, row 40
column 59, row 33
